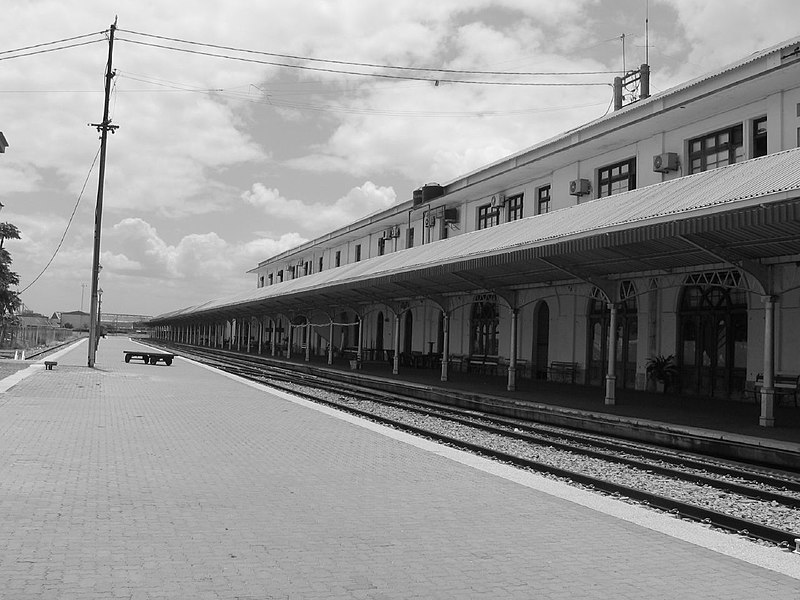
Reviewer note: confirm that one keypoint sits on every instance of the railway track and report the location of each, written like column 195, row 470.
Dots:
column 760, row 503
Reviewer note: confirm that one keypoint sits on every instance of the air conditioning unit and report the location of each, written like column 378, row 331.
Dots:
column 663, row 163
column 395, row 231
column 430, row 221
column 498, row 200
column 451, row 215
column 580, row 187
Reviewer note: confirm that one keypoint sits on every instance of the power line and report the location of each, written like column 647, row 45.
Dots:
column 276, row 100
column 77, row 37
column 49, row 50
column 66, row 229
column 369, row 65
column 361, row 73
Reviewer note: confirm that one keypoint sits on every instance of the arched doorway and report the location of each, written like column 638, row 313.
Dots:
column 440, row 334
column 712, row 341
column 379, row 332
column 408, row 336
column 484, row 324
column 541, row 340
column 627, row 337
column 344, row 339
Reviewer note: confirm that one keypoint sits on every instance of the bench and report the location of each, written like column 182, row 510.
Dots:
column 149, row 357
column 483, row 363
column 784, row 385
column 561, row 371
column 49, row 364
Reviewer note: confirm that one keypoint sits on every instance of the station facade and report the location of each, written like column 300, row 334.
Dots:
column 668, row 228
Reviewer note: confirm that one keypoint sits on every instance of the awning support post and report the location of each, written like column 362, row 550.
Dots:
column 512, row 360
column 767, row 418
column 396, row 362
column 360, row 337
column 330, row 343
column 445, row 344
column 611, row 378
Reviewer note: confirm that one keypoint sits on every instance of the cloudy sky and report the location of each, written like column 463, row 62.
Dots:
column 246, row 128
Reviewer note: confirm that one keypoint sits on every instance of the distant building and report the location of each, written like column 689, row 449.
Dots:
column 3, row 143
column 34, row 320
column 76, row 319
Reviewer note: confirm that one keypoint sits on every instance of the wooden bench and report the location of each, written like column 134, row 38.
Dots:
column 561, row 371
column 49, row 364
column 784, row 385
column 149, row 357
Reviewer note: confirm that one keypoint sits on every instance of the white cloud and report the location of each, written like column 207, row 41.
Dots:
column 204, row 255
column 358, row 202
column 720, row 32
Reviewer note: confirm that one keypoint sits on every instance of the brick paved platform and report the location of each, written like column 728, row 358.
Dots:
column 147, row 481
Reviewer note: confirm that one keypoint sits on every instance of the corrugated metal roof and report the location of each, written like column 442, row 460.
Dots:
column 766, row 179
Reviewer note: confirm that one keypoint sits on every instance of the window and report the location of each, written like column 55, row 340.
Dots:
column 760, row 137
column 270, row 279
column 358, row 252
column 716, row 150
column 410, row 238
column 488, row 216
column 338, row 259
column 514, row 204
column 307, row 268
column 381, row 246
column 280, row 276
column 543, row 200
column 261, row 281
column 484, row 325
column 616, row 178
column 320, row 265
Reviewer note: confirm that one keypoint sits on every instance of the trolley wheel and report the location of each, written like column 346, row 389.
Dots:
column 168, row 361
column 127, row 358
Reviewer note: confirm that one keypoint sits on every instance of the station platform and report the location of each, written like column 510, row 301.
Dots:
column 726, row 428
column 151, row 481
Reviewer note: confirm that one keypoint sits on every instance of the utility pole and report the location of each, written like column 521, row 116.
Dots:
column 103, row 127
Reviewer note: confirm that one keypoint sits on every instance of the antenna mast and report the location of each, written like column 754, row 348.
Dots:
column 647, row 33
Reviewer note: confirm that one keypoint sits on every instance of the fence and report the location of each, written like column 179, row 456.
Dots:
column 16, row 337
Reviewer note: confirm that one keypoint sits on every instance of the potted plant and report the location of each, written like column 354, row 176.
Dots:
column 661, row 370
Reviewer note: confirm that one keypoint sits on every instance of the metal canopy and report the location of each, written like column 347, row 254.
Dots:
column 746, row 212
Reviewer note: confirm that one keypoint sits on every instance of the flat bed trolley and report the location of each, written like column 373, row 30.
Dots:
column 149, row 357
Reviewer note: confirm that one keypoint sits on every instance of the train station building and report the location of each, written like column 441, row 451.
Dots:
column 668, row 228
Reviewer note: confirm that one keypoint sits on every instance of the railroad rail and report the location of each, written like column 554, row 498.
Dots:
column 760, row 503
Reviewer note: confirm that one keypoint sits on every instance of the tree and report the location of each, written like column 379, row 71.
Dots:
column 9, row 299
